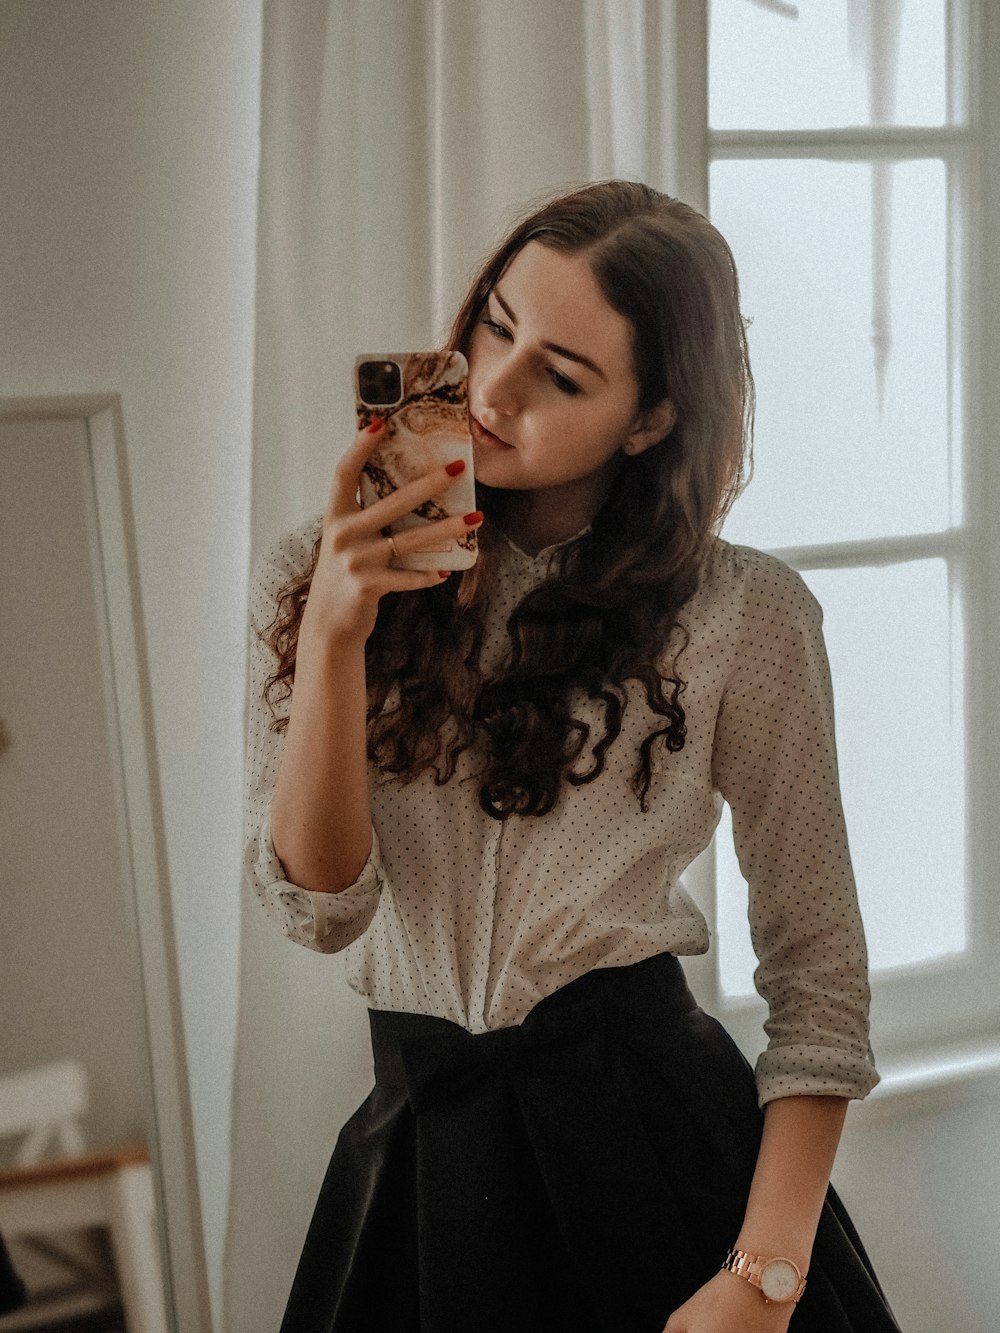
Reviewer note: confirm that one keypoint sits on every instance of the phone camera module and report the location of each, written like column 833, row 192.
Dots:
column 380, row 383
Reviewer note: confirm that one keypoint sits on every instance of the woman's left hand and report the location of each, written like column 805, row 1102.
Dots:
column 728, row 1304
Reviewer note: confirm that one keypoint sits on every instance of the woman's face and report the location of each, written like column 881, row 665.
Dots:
column 552, row 390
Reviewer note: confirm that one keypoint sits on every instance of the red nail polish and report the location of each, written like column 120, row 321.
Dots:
column 376, row 424
column 472, row 519
column 443, row 573
column 457, row 468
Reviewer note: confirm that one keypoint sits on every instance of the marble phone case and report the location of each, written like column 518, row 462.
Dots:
column 428, row 425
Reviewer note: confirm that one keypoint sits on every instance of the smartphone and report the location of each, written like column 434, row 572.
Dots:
column 423, row 399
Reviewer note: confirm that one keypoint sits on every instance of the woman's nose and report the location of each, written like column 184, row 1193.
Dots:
column 498, row 389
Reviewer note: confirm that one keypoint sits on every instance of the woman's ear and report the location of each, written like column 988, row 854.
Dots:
column 651, row 427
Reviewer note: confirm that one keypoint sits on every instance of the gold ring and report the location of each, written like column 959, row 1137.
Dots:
column 393, row 547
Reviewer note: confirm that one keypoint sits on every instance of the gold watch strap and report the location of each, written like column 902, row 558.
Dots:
column 749, row 1266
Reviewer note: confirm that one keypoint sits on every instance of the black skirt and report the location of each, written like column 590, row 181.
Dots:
column 585, row 1171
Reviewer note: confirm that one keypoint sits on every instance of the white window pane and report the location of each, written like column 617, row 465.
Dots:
column 735, row 953
column 826, row 64
column 843, row 267
column 894, row 649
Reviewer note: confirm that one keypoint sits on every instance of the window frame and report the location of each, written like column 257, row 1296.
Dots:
column 930, row 1007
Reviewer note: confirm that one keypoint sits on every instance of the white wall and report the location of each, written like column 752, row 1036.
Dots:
column 921, row 1178
column 127, row 216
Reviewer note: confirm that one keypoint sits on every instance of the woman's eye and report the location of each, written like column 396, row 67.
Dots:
column 563, row 384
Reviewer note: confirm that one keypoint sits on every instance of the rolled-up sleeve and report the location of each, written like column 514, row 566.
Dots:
column 327, row 922
column 775, row 763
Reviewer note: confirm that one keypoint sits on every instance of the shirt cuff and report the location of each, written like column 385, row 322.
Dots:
column 326, row 922
column 813, row 1071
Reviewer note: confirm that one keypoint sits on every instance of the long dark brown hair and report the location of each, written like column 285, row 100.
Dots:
column 605, row 614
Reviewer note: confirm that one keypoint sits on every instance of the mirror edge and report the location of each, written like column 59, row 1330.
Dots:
column 172, row 1149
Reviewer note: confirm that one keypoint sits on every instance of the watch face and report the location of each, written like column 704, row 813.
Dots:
column 779, row 1280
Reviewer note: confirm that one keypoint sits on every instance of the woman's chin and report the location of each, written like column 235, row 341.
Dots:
column 492, row 467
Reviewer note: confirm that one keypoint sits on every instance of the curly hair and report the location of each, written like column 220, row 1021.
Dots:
column 611, row 604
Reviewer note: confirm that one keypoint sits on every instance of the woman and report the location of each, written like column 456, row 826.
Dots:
column 486, row 787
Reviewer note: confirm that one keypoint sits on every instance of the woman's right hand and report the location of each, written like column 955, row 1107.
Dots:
column 354, row 569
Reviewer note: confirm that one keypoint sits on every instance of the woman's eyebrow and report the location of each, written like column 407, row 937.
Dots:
column 578, row 357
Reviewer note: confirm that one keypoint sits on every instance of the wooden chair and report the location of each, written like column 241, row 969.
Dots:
column 43, row 1196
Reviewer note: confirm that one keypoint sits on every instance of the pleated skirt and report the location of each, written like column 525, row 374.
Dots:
column 585, row 1171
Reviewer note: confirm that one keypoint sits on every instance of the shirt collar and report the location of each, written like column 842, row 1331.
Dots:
column 544, row 556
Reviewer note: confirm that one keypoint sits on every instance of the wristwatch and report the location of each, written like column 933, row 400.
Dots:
column 779, row 1280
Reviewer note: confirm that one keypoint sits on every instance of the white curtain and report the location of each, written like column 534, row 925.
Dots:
column 399, row 139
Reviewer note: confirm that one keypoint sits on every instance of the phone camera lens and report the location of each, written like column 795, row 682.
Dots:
column 380, row 383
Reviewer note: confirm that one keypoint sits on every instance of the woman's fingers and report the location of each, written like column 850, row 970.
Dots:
column 436, row 536
column 414, row 494
column 357, row 565
column 347, row 475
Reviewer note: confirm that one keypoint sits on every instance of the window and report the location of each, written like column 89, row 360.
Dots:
column 847, row 165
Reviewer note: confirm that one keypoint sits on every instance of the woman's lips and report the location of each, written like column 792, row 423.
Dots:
column 486, row 437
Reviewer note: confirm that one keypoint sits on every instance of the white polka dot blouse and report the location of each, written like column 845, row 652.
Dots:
column 473, row 919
